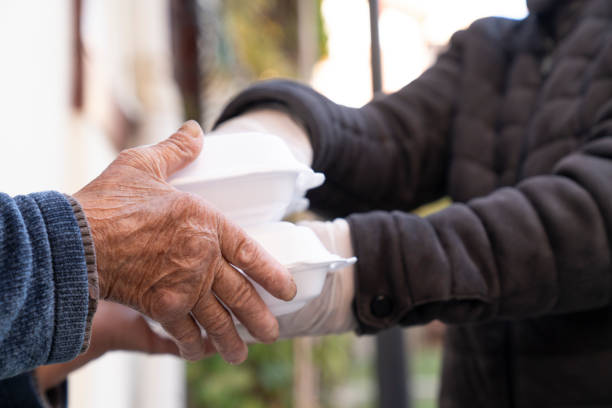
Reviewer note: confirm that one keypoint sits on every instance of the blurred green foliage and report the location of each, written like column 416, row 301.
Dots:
column 425, row 366
column 265, row 380
column 333, row 357
column 263, row 36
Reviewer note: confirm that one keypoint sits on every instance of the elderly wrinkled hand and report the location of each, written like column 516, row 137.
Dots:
column 169, row 254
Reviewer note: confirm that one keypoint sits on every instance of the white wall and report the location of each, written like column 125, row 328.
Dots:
column 44, row 145
column 34, row 96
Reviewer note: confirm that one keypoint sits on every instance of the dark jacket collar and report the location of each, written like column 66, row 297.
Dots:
column 542, row 6
column 548, row 22
column 557, row 17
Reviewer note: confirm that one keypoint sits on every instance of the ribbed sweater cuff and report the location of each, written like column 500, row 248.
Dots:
column 92, row 270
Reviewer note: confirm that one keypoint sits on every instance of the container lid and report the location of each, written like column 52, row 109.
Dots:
column 238, row 155
column 291, row 245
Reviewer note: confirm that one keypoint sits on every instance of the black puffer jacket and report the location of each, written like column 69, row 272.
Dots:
column 514, row 122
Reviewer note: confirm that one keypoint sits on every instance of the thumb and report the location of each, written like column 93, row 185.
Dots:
column 178, row 150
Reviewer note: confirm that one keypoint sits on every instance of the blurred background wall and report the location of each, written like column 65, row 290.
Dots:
column 82, row 79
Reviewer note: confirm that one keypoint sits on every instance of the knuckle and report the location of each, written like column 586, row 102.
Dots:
column 194, row 356
column 167, row 306
column 247, row 252
column 220, row 325
column 215, row 271
column 181, row 143
column 128, row 155
column 185, row 203
column 142, row 158
column 190, row 337
column 190, row 209
column 242, row 296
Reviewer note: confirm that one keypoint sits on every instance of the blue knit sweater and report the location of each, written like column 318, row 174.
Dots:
column 43, row 290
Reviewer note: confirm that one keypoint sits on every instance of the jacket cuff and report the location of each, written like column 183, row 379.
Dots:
column 92, row 270
column 329, row 127
column 274, row 120
column 300, row 102
column 382, row 291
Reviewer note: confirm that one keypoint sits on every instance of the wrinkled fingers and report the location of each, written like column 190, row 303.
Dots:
column 220, row 329
column 239, row 295
column 244, row 252
column 188, row 337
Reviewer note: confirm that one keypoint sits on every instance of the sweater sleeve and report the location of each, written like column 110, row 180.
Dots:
column 389, row 154
column 541, row 248
column 44, row 302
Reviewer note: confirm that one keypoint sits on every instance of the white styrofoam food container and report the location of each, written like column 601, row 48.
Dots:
column 252, row 178
column 300, row 250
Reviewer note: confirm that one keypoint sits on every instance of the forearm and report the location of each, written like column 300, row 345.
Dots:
column 518, row 253
column 388, row 154
column 275, row 122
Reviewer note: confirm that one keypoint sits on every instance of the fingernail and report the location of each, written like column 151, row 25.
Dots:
column 237, row 357
column 292, row 291
column 192, row 128
column 270, row 338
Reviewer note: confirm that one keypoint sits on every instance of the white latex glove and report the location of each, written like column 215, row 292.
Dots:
column 274, row 122
column 331, row 312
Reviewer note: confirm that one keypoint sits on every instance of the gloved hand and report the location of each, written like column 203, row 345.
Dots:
column 167, row 253
column 274, row 122
column 331, row 312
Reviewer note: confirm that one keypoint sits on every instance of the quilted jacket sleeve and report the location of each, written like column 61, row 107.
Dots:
column 389, row 154
column 542, row 247
column 44, row 292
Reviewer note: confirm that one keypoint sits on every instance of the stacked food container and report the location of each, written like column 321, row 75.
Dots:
column 254, row 180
